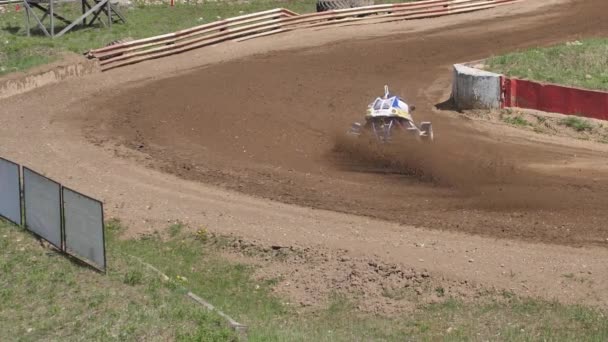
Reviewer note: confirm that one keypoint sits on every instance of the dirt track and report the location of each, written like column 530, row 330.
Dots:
column 269, row 126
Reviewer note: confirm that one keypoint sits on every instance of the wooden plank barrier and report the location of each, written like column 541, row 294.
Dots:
column 275, row 21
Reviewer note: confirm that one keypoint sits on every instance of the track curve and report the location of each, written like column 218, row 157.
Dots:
column 270, row 126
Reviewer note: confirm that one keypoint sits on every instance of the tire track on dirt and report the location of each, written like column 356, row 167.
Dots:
column 267, row 126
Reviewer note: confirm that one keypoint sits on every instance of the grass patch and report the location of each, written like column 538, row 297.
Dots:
column 45, row 296
column 580, row 64
column 516, row 121
column 578, row 124
column 175, row 229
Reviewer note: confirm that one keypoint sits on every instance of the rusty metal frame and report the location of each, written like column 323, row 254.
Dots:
column 94, row 8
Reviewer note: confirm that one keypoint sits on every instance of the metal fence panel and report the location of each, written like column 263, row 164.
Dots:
column 42, row 197
column 10, row 191
column 84, row 235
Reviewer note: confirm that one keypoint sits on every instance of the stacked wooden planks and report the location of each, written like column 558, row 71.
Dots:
column 275, row 21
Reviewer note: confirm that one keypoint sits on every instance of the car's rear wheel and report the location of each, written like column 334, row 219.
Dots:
column 361, row 3
column 329, row 5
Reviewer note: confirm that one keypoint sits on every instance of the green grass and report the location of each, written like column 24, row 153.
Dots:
column 229, row 286
column 516, row 121
column 175, row 229
column 581, row 64
column 45, row 296
column 578, row 124
column 53, row 298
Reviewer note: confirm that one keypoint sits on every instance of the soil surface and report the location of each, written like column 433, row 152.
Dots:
column 309, row 276
column 273, row 126
column 267, row 118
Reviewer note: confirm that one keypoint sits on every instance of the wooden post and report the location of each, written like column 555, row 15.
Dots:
column 27, row 18
column 52, row 18
column 95, row 9
column 84, row 9
column 33, row 14
column 109, row 9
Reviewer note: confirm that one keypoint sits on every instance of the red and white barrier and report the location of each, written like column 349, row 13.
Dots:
column 478, row 89
column 275, row 21
column 555, row 98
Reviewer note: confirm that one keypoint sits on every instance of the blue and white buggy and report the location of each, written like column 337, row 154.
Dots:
column 387, row 118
